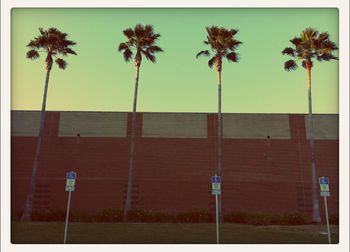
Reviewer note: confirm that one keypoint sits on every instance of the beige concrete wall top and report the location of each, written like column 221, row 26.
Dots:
column 25, row 123
column 175, row 125
column 93, row 124
column 325, row 127
column 256, row 126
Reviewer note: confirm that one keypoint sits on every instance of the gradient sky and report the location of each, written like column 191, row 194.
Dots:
column 98, row 79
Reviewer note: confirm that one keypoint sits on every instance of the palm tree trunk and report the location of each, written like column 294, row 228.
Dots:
column 27, row 212
column 219, row 138
column 219, row 129
column 315, row 208
column 132, row 149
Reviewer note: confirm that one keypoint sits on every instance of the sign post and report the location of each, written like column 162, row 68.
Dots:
column 70, row 186
column 216, row 190
column 324, row 189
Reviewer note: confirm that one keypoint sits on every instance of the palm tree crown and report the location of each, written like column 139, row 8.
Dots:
column 142, row 39
column 223, row 45
column 54, row 43
column 311, row 44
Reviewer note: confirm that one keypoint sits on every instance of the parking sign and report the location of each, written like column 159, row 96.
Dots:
column 70, row 181
column 324, row 186
column 216, row 185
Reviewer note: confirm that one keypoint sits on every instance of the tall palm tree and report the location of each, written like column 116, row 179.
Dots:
column 311, row 44
column 53, row 43
column 142, row 40
column 222, row 45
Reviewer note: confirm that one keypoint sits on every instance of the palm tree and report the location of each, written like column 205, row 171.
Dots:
column 142, row 39
column 53, row 43
column 222, row 45
column 311, row 44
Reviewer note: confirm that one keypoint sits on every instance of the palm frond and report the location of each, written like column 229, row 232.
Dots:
column 311, row 44
column 54, row 42
column 148, row 29
column 309, row 34
column 123, row 46
column 127, row 54
column 290, row 65
column 66, row 51
column 66, row 43
column 232, row 56
column 33, row 44
column 329, row 45
column 323, row 36
column 203, row 53
column 213, row 31
column 32, row 54
column 154, row 48
column 289, row 51
column 62, row 64
column 296, row 41
column 221, row 40
column 232, row 44
column 139, row 30
column 326, row 57
column 141, row 38
column 234, row 31
column 211, row 62
column 70, row 51
column 149, row 56
column 129, row 33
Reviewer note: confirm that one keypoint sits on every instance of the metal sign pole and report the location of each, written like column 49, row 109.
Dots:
column 328, row 229
column 67, row 217
column 216, row 190
column 217, row 218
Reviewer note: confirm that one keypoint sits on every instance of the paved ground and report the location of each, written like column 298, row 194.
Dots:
column 167, row 233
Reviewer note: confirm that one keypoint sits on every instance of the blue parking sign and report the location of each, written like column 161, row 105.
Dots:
column 324, row 186
column 71, row 175
column 324, row 180
column 216, row 179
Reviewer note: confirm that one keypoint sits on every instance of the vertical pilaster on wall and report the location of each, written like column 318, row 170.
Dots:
column 213, row 141
column 138, row 136
column 303, row 188
column 212, row 138
column 50, row 133
column 297, row 127
column 52, row 122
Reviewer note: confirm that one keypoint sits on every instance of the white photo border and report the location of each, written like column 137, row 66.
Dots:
column 343, row 6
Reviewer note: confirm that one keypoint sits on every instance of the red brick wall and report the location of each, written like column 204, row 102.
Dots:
column 173, row 174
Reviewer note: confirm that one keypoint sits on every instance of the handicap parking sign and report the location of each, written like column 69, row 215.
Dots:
column 324, row 180
column 216, row 185
column 71, row 175
column 216, row 179
column 324, row 186
column 70, row 182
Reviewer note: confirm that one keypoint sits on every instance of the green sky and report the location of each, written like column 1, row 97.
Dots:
column 98, row 79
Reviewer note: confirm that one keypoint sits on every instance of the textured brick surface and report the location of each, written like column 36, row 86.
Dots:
column 174, row 125
column 325, row 126
column 93, row 124
column 25, row 123
column 256, row 126
column 173, row 174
